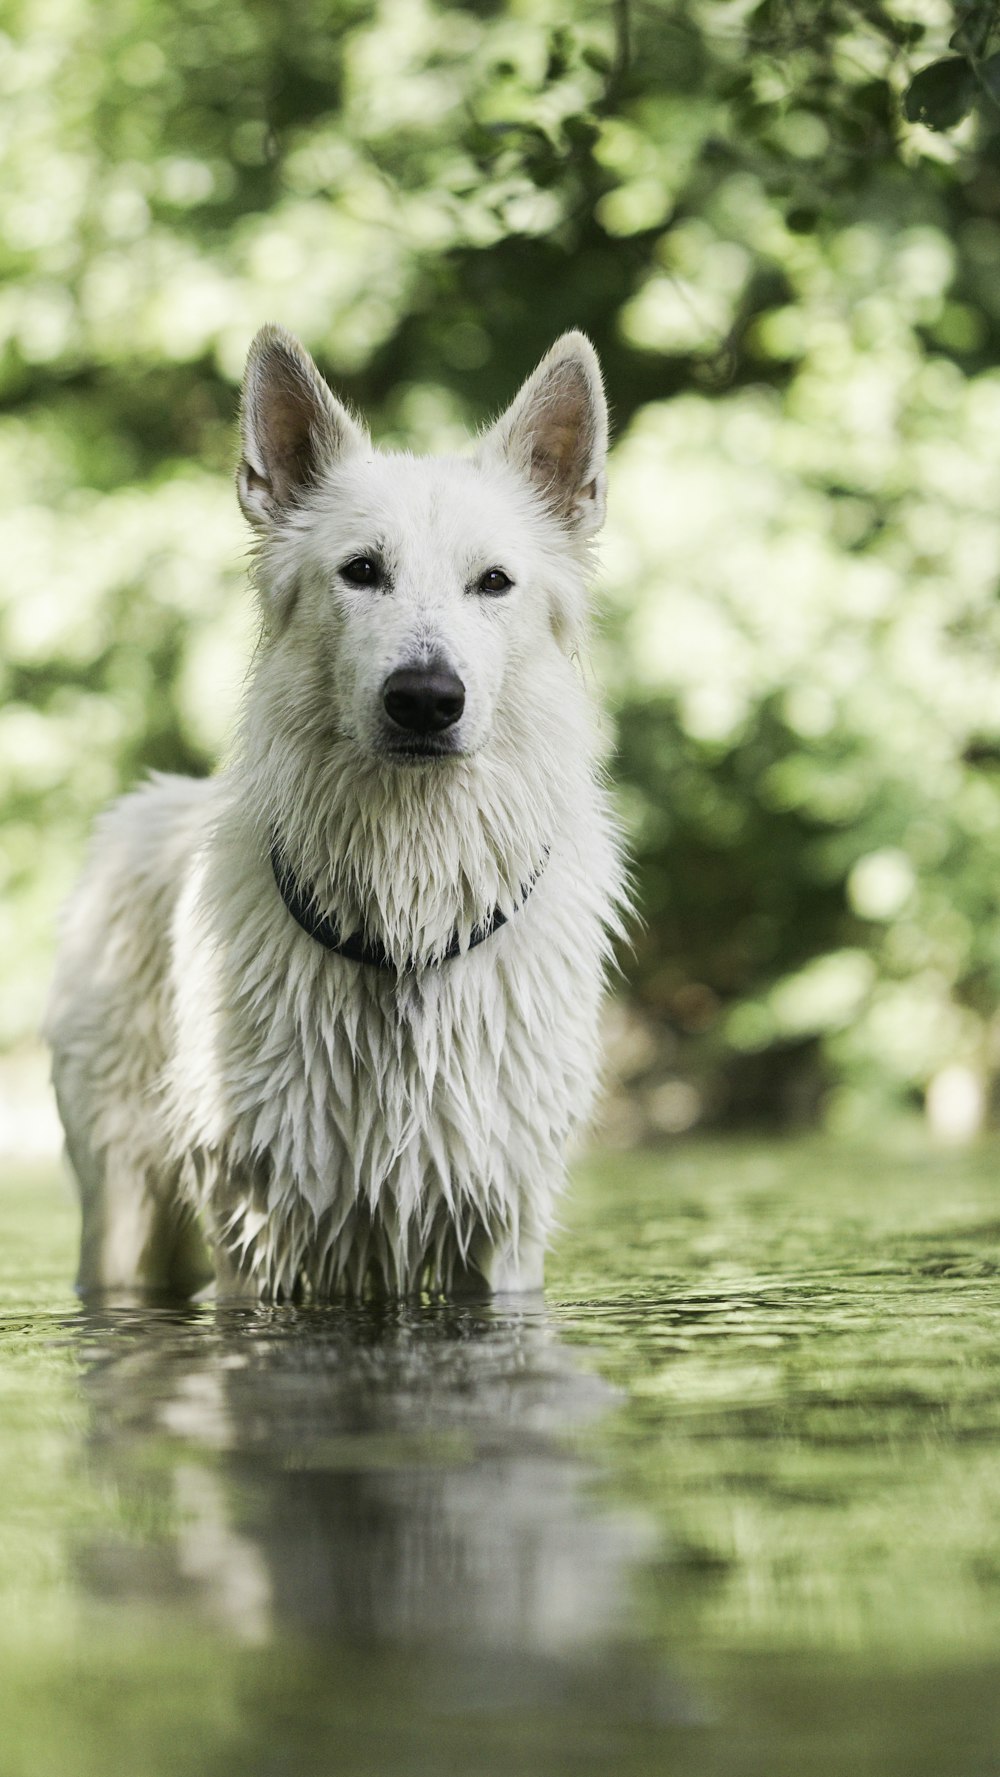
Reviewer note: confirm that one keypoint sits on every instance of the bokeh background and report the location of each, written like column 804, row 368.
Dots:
column 780, row 223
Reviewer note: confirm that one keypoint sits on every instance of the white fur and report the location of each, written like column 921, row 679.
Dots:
column 323, row 1124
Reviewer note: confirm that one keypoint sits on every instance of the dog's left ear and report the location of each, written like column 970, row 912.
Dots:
column 556, row 433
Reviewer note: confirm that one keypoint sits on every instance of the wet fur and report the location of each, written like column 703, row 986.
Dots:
column 236, row 1098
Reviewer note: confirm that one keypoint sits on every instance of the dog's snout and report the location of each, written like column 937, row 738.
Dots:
column 424, row 699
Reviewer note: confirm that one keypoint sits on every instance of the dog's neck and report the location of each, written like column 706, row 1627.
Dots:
column 357, row 947
column 415, row 858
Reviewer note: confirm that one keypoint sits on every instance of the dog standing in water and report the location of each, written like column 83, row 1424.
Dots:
column 326, row 1022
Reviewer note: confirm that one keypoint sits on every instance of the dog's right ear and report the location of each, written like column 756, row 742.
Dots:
column 291, row 426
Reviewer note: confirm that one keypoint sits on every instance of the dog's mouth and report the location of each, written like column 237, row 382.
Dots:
column 422, row 751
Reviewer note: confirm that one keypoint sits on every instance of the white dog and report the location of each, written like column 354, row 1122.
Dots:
column 333, row 1013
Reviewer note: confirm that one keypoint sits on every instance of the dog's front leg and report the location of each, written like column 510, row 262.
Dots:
column 137, row 1237
column 501, row 1267
column 234, row 1282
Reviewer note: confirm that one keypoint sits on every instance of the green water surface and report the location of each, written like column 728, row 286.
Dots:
column 728, row 1503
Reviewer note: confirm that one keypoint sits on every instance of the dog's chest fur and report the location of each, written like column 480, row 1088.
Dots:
column 340, row 1122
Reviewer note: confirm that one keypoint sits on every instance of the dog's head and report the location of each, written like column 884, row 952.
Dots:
column 421, row 597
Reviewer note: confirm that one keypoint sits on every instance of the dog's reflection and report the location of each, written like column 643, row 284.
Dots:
column 365, row 1474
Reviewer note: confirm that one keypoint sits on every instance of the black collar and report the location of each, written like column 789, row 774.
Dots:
column 304, row 909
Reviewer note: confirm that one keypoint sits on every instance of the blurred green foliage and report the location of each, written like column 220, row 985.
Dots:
column 779, row 221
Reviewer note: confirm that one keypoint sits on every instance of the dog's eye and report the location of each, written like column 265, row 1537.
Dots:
column 494, row 582
column 361, row 570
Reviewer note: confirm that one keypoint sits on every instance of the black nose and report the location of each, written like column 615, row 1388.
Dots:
column 424, row 699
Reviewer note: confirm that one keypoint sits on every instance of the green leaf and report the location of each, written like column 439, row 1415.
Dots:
column 972, row 34
column 941, row 94
column 989, row 77
column 598, row 59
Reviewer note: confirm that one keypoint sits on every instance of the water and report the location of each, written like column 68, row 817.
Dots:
column 728, row 1503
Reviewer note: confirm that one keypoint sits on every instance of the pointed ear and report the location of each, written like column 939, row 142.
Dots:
column 555, row 432
column 291, row 426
